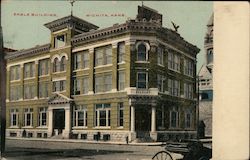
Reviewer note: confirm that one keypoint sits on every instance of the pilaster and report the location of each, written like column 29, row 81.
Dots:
column 91, row 70
column 114, row 67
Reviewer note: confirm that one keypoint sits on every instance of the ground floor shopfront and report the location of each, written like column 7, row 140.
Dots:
column 121, row 118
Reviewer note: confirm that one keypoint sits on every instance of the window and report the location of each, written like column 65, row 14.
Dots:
column 29, row 91
column 14, row 117
column 174, row 87
column 56, row 65
column 85, row 59
column 188, row 90
column 103, row 55
column 60, row 41
column 15, row 72
column 15, row 93
column 43, row 67
column 210, row 55
column 121, row 80
column 42, row 117
column 174, row 116
column 102, row 115
column 188, row 120
column 103, row 83
column 142, row 80
column 121, row 52
column 173, row 61
column 59, row 86
column 63, row 63
column 29, row 70
column 188, row 67
column 43, row 89
column 77, row 61
column 76, row 86
column 141, row 53
column 120, row 114
column 160, row 56
column 28, row 116
column 85, row 85
column 160, row 82
column 80, row 116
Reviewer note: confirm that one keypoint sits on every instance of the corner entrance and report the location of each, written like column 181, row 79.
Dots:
column 142, row 121
column 59, row 120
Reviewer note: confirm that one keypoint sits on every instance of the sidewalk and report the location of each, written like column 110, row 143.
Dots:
column 85, row 141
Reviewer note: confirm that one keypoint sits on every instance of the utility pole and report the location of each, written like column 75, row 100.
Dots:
column 2, row 92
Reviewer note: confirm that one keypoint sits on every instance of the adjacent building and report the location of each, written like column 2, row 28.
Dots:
column 206, row 81
column 130, row 81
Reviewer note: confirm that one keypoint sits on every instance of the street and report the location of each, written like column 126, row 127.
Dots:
column 60, row 150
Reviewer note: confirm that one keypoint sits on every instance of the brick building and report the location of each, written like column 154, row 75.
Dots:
column 135, row 79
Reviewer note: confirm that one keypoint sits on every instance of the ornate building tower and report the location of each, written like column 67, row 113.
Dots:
column 206, row 81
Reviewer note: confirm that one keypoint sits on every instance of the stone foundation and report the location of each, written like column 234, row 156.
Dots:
column 164, row 136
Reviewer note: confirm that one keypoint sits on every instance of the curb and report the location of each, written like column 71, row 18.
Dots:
column 90, row 142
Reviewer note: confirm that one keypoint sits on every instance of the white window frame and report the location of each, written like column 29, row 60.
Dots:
column 137, row 80
column 56, row 41
column 77, row 61
column 174, row 87
column 120, row 108
column 107, row 110
column 15, row 72
column 28, row 111
column 174, row 61
column 146, row 51
column 160, row 56
column 121, row 52
column 78, row 109
column 85, row 87
column 121, row 80
column 42, row 111
column 76, row 86
column 12, row 113
column 30, row 92
column 160, row 82
column 61, row 89
column 30, row 73
column 85, row 59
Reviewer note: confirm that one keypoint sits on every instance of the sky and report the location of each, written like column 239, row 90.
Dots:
column 22, row 32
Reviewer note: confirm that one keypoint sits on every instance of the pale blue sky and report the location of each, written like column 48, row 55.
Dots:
column 21, row 32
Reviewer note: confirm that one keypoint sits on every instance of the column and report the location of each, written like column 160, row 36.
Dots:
column 67, row 129
column 153, row 121
column 132, row 128
column 50, row 124
column 91, row 70
column 153, row 133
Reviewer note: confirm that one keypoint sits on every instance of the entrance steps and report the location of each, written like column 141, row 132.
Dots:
column 59, row 136
column 143, row 137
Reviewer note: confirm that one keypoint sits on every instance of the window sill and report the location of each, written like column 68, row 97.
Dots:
column 174, row 70
column 29, row 78
column 189, row 75
column 81, row 69
column 27, row 127
column 59, row 91
column 121, row 127
column 13, row 127
column 108, row 127
column 161, row 65
column 58, row 72
column 46, row 75
column 12, row 81
column 80, row 127
column 142, row 62
column 100, row 66
column 123, row 62
column 42, row 127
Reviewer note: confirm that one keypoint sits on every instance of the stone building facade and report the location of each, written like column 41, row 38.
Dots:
column 206, row 81
column 134, row 80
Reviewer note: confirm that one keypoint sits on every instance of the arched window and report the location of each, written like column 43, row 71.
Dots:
column 56, row 65
column 63, row 63
column 141, row 52
column 210, row 55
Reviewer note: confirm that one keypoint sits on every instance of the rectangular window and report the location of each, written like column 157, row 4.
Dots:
column 60, row 41
column 15, row 93
column 121, row 80
column 107, row 83
column 142, row 80
column 188, row 120
column 14, row 117
column 28, row 116
column 174, row 87
column 29, row 70
column 85, row 85
column 174, row 119
column 85, row 59
column 160, row 56
column 98, row 84
column 103, row 55
column 29, row 91
column 76, row 86
column 77, row 61
column 103, row 115
column 188, row 90
column 188, row 67
column 80, row 116
column 15, row 72
column 59, row 86
column 44, row 67
column 173, row 61
column 42, row 116
column 43, row 89
column 121, row 52
column 160, row 82
column 120, row 114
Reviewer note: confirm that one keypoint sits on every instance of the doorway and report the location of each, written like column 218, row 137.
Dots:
column 59, row 120
column 142, row 121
